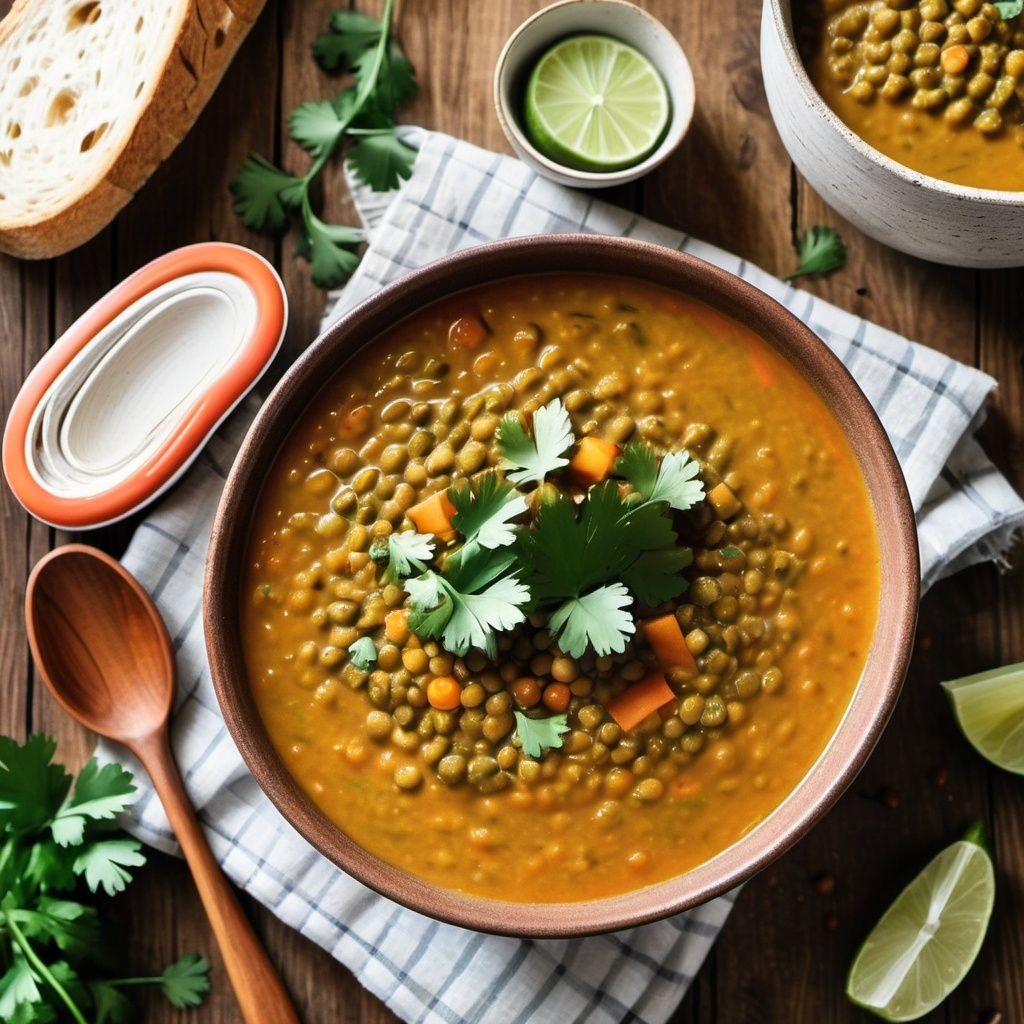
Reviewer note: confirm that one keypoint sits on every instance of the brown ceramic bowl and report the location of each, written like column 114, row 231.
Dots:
column 859, row 730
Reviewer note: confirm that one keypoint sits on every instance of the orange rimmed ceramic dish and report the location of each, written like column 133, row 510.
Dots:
column 258, row 514
column 126, row 398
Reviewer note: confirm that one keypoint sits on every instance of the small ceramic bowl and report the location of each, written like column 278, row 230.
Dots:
column 845, row 753
column 909, row 211
column 616, row 18
column 126, row 398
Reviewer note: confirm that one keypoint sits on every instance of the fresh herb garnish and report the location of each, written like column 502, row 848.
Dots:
column 582, row 564
column 484, row 508
column 1009, row 8
column 820, row 250
column 363, row 654
column 361, row 120
column 59, row 837
column 404, row 553
column 527, row 460
column 540, row 734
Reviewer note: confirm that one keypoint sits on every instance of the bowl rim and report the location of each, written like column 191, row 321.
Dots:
column 781, row 12
column 675, row 132
column 861, row 725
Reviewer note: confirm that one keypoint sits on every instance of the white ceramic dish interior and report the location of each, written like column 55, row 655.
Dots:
column 909, row 211
column 616, row 18
column 128, row 396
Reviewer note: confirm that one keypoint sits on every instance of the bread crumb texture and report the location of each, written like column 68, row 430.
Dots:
column 93, row 95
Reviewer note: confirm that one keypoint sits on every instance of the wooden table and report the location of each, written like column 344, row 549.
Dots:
column 783, row 954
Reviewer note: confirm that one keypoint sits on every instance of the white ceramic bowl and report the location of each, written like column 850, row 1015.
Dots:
column 904, row 209
column 616, row 18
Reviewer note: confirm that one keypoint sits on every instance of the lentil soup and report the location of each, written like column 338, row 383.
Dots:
column 937, row 85
column 423, row 755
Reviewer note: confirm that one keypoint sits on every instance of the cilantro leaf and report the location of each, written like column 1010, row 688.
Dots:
column 821, row 250
column 99, row 794
column 598, row 619
column 540, row 734
column 483, row 508
column 528, row 460
column 104, row 863
column 381, row 160
column 363, row 654
column 260, row 192
column 465, row 609
column 654, row 576
column 1009, row 8
column 265, row 195
column 406, row 553
column 185, row 982
column 316, row 126
column 326, row 246
column 676, row 480
column 476, row 617
column 351, row 35
column 638, row 463
column 31, row 788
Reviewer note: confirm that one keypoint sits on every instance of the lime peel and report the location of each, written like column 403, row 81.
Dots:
column 594, row 103
column 989, row 708
column 925, row 943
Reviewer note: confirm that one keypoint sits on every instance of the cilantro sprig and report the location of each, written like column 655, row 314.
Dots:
column 59, row 841
column 820, row 250
column 361, row 120
column 1009, row 8
column 582, row 564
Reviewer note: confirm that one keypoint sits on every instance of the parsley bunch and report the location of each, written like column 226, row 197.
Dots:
column 581, row 563
column 58, row 839
column 361, row 119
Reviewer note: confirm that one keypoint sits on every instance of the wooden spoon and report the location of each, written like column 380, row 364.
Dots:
column 103, row 650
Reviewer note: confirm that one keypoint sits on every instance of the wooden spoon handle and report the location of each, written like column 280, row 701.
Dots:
column 258, row 987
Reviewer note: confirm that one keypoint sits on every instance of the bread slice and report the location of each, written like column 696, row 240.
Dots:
column 94, row 94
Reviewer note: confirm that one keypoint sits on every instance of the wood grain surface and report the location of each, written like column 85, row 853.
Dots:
column 783, row 955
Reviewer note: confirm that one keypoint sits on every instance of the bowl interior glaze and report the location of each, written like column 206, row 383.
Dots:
column 842, row 758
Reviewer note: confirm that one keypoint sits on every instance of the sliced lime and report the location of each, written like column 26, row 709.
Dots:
column 990, row 709
column 927, row 940
column 595, row 104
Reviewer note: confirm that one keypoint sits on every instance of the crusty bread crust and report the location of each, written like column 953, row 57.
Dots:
column 200, row 37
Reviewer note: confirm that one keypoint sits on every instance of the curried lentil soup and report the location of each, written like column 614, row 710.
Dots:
column 449, row 764
column 937, row 85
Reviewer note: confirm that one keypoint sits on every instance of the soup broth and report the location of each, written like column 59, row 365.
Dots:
column 446, row 780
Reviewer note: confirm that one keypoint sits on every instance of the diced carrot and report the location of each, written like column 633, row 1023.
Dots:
column 724, row 501
column 643, row 698
column 556, row 697
column 685, row 786
column 468, row 331
column 434, row 515
column 593, row 460
column 444, row 693
column 955, row 59
column 396, row 625
column 762, row 366
column 665, row 636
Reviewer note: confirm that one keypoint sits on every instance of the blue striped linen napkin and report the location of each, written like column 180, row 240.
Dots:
column 459, row 196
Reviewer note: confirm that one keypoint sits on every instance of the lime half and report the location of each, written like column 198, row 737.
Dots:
column 990, row 709
column 595, row 104
column 927, row 940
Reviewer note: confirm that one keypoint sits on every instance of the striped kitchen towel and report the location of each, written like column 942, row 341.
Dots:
column 459, row 196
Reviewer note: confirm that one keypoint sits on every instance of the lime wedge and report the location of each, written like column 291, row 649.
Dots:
column 595, row 104
column 990, row 709
column 927, row 940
